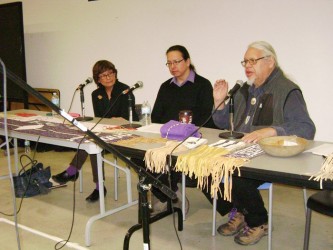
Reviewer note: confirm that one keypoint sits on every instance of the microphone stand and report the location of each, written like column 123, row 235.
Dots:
column 83, row 118
column 145, row 177
column 130, row 113
column 231, row 134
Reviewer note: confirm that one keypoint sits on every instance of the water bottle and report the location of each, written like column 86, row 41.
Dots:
column 55, row 100
column 146, row 111
column 27, row 149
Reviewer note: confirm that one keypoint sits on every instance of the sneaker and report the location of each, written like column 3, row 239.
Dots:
column 234, row 225
column 251, row 235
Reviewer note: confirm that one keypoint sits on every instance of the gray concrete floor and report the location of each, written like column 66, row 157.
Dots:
column 49, row 217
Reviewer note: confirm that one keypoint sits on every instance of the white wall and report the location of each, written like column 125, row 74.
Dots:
column 64, row 38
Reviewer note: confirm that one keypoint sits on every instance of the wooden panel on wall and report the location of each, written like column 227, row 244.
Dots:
column 36, row 104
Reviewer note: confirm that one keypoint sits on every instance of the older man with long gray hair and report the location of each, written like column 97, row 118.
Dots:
column 268, row 104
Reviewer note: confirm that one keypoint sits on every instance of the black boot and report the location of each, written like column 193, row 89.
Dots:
column 63, row 177
column 94, row 196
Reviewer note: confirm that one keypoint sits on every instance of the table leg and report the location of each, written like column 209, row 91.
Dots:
column 100, row 183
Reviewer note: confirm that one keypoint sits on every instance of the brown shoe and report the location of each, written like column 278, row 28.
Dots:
column 234, row 225
column 251, row 235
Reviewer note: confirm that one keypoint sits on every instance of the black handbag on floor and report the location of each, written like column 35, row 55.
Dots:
column 33, row 181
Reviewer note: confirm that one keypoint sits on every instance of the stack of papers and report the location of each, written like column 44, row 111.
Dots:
column 324, row 149
column 152, row 128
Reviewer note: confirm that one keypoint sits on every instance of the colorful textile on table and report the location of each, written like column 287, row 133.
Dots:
column 54, row 128
column 326, row 171
column 217, row 162
column 156, row 158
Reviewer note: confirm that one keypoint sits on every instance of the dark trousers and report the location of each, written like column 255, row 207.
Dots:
column 164, row 178
column 245, row 197
column 80, row 158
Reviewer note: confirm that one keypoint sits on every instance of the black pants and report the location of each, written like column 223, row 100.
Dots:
column 80, row 158
column 245, row 197
column 164, row 178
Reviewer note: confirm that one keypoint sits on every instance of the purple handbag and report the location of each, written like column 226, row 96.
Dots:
column 174, row 130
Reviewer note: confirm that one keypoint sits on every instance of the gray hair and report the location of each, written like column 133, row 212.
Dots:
column 266, row 48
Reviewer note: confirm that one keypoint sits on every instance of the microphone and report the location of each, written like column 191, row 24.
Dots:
column 231, row 134
column 238, row 85
column 139, row 84
column 82, row 85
